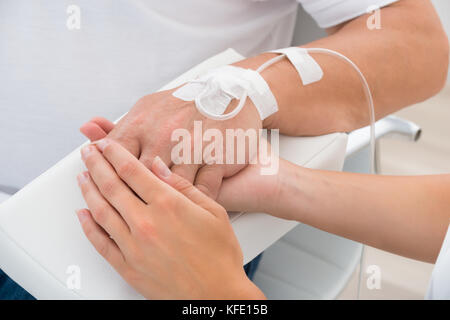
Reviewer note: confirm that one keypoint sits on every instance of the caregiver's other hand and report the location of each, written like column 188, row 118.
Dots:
column 167, row 243
column 147, row 128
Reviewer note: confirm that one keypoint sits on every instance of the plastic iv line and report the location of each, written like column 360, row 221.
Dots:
column 367, row 92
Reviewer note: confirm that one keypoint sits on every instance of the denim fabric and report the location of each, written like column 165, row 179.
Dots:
column 9, row 290
column 251, row 267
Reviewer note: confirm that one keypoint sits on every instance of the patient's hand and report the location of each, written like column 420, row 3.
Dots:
column 166, row 242
column 146, row 132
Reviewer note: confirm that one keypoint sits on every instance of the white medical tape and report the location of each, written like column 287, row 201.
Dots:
column 308, row 69
column 214, row 91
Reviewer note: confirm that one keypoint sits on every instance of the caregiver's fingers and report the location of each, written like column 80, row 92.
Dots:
column 186, row 171
column 186, row 188
column 135, row 174
column 104, row 245
column 148, row 154
column 113, row 189
column 102, row 212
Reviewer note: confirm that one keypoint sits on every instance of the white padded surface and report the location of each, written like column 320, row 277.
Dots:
column 3, row 196
column 307, row 263
column 40, row 235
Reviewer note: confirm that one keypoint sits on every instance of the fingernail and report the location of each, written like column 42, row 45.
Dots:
column 85, row 152
column 162, row 169
column 82, row 178
column 101, row 144
column 82, row 215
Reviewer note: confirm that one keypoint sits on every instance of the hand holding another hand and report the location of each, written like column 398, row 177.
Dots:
column 146, row 132
column 162, row 235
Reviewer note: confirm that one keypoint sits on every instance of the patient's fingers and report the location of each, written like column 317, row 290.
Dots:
column 97, row 128
column 101, row 241
column 140, row 179
column 104, row 123
column 115, row 191
column 102, row 212
column 209, row 179
column 92, row 131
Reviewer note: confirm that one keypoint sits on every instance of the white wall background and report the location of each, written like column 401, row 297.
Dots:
column 443, row 9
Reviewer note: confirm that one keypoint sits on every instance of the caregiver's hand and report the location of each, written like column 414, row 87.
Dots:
column 147, row 128
column 165, row 242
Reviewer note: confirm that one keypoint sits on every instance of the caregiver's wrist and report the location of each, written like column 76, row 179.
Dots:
column 247, row 290
column 291, row 177
column 271, row 193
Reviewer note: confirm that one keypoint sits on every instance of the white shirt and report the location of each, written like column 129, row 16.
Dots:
column 53, row 79
column 439, row 287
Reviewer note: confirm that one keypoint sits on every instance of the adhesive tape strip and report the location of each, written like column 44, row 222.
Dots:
column 261, row 95
column 308, row 69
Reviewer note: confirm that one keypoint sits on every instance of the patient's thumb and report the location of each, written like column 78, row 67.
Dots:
column 209, row 179
column 97, row 128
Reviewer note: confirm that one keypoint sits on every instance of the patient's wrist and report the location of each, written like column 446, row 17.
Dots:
column 282, row 80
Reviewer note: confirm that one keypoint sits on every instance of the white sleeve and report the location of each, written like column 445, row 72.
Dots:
column 328, row 13
column 439, row 287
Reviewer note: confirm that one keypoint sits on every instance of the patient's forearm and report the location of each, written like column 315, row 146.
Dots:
column 404, row 215
column 404, row 62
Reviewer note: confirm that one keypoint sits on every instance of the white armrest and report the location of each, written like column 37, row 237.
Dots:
column 3, row 196
column 391, row 125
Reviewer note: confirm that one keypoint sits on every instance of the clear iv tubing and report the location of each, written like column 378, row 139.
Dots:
column 364, row 82
column 270, row 62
